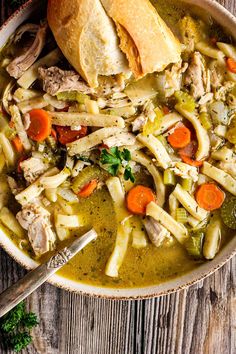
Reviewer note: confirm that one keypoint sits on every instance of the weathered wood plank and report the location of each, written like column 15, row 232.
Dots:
column 199, row 320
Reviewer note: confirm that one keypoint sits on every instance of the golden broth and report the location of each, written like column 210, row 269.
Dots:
column 142, row 267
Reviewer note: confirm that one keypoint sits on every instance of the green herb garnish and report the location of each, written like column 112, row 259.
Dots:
column 15, row 327
column 115, row 159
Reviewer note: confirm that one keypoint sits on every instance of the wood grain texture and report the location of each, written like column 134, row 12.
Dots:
column 199, row 320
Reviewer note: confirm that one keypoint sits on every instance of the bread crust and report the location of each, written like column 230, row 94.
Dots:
column 155, row 44
column 87, row 38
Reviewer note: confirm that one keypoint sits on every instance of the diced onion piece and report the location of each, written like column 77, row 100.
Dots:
column 91, row 140
column 8, row 150
column 54, row 102
column 91, row 106
column 91, row 120
column 176, row 229
column 117, row 257
column 223, row 178
column 157, row 149
column 9, row 220
column 189, row 203
column 202, row 135
column 68, row 221
column 145, row 161
column 212, row 238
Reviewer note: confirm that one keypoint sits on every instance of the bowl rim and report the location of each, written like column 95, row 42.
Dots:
column 226, row 19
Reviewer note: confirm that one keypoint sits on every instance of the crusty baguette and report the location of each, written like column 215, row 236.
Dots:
column 145, row 38
column 87, row 37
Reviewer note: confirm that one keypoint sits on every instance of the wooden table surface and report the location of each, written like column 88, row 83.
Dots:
column 198, row 320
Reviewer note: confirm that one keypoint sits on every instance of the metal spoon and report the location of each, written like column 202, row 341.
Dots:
column 25, row 286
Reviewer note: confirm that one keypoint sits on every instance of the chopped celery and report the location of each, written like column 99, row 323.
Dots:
column 72, row 96
column 150, row 127
column 181, row 215
column 187, row 184
column 169, row 178
column 85, row 176
column 185, row 101
column 205, row 120
column 194, row 244
column 228, row 212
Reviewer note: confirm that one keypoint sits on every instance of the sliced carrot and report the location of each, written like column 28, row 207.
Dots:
column 54, row 134
column 66, row 135
column 88, row 189
column 180, row 138
column 138, row 198
column 210, row 197
column 40, row 125
column 231, row 65
column 165, row 110
column 190, row 161
column 18, row 144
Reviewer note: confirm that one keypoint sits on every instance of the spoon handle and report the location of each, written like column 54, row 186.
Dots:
column 25, row 286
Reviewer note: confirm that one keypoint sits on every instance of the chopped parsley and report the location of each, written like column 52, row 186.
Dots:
column 115, row 159
column 15, row 328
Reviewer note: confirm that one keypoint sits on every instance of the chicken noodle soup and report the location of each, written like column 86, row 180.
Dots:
column 149, row 163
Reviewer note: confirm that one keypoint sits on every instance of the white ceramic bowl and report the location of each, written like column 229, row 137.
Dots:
column 228, row 21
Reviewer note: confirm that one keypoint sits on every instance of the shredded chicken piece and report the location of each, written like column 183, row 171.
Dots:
column 173, row 78
column 56, row 80
column 19, row 65
column 222, row 92
column 36, row 220
column 217, row 73
column 147, row 113
column 184, row 170
column 208, row 97
column 197, row 76
column 33, row 168
column 157, row 233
